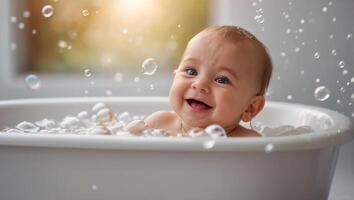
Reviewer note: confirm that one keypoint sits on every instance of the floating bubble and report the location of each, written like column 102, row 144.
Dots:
column 87, row 73
column 125, row 31
column 208, row 144
column 21, row 25
column 316, row 55
column 302, row 72
column 34, row 31
column 352, row 97
column 94, row 187
column 26, row 14
column 85, row 13
column 13, row 46
column 352, row 79
column 331, row 36
column 215, row 131
column 83, row 115
column 136, row 79
column 288, row 31
column 334, row 19
column 301, row 30
column 179, row 25
column 152, row 87
column 283, row 54
column 62, row 44
column 297, row 49
column 349, row 36
column 289, row 97
column 149, row 66
column 33, row 82
column 108, row 92
column 344, row 72
column 322, row 93
column 334, row 52
column 324, row 9
column 318, row 80
column 302, row 21
column 118, row 77
column 269, row 148
column 47, row 11
column 27, row 126
column 13, row 19
column 330, row 3
column 341, row 64
column 259, row 19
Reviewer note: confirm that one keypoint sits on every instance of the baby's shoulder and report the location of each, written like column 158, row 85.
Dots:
column 241, row 131
column 158, row 118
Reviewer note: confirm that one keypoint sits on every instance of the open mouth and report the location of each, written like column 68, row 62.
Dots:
column 198, row 105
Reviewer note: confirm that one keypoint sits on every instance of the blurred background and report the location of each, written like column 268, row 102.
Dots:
column 83, row 48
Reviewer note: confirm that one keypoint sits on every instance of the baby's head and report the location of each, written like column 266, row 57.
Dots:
column 222, row 78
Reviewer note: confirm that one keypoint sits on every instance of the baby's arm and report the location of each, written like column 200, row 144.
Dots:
column 157, row 120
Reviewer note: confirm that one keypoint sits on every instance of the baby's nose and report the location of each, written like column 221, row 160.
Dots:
column 201, row 85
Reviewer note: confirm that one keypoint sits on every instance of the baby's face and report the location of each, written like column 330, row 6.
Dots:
column 215, row 82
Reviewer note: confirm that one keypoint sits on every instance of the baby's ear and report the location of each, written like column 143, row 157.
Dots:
column 255, row 106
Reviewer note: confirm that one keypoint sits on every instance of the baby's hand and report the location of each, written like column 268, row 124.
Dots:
column 136, row 127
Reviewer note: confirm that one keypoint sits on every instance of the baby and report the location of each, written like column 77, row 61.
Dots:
column 221, row 79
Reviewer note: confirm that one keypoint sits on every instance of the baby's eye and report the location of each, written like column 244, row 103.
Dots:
column 191, row 71
column 222, row 80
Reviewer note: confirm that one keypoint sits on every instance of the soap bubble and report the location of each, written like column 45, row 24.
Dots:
column 344, row 72
column 124, row 117
column 317, row 55
column 104, row 115
column 13, row 19
column 62, row 44
column 118, row 77
column 94, row 187
column 297, row 49
column 33, row 82
column 259, row 19
column 149, row 66
column 334, row 52
column 196, row 132
column 108, row 92
column 46, row 123
column 324, row 9
column 349, row 36
column 21, row 25
column 85, row 13
column 269, row 148
column 47, row 11
column 215, row 131
column 98, row 106
column 136, row 79
column 87, row 72
column 26, row 14
column 34, row 31
column 322, row 93
column 289, row 97
column 27, row 126
column 341, row 64
column 208, row 144
column 83, row 115
column 70, row 122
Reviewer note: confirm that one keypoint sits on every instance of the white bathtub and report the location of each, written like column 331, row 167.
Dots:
column 36, row 167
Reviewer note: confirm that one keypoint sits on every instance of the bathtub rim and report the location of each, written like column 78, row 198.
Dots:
column 315, row 140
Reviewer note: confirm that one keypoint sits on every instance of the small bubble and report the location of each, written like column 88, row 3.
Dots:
column 209, row 144
column 13, row 46
column 352, row 97
column 269, row 148
column 152, row 87
column 83, row 115
column 104, row 115
column 87, row 73
column 26, row 14
column 301, row 30
column 288, row 30
column 259, row 19
column 179, row 25
column 302, row 21
column 85, row 13
column 331, row 36
column 33, row 82
column 322, row 93
column 118, row 77
column 47, row 11
column 215, row 131
column 62, row 44
column 94, row 187
column 149, row 66
column 27, row 126
column 341, row 64
column 344, row 72
column 302, row 72
column 70, row 122
column 289, row 97
column 297, row 49
column 349, row 36
column 334, row 52
column 352, row 79
column 283, row 54
column 98, row 106
column 254, row 4
column 21, row 25
column 316, row 55
column 324, row 9
column 339, row 101
column 34, row 31
column 334, row 19
column 124, row 117
column 330, row 3
column 136, row 79
column 318, row 80
column 108, row 92
column 13, row 19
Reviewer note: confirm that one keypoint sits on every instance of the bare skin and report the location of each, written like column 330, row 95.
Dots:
column 217, row 82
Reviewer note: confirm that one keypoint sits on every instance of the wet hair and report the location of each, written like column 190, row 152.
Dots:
column 236, row 34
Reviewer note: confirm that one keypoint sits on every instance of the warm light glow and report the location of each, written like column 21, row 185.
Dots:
column 134, row 8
